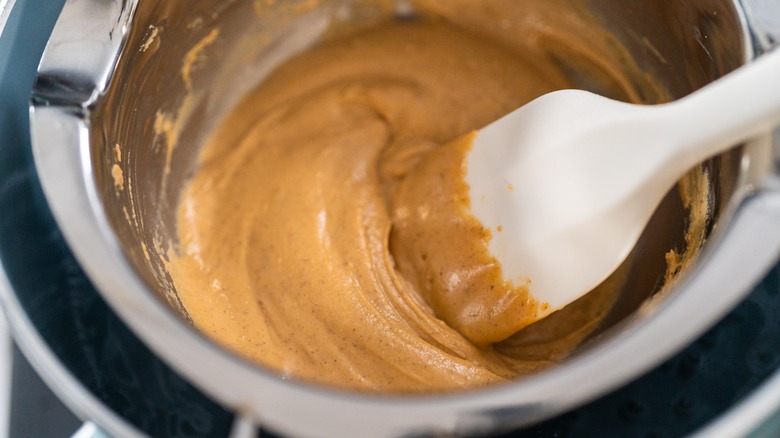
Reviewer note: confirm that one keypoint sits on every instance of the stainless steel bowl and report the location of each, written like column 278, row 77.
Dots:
column 110, row 66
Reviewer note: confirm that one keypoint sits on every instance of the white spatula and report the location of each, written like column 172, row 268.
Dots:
column 572, row 178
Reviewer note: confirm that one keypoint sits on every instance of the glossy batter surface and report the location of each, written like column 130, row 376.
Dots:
column 296, row 247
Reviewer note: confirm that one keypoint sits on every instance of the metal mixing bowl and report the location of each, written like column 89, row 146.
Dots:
column 111, row 66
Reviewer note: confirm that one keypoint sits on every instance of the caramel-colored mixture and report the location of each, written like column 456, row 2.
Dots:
column 442, row 249
column 298, row 235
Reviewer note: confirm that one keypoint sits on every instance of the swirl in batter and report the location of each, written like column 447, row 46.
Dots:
column 296, row 247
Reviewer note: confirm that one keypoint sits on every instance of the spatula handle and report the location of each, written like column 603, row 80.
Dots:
column 738, row 107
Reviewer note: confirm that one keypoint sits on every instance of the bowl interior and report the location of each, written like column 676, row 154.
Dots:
column 170, row 90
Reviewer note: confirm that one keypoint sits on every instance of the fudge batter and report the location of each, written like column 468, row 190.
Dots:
column 297, row 234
